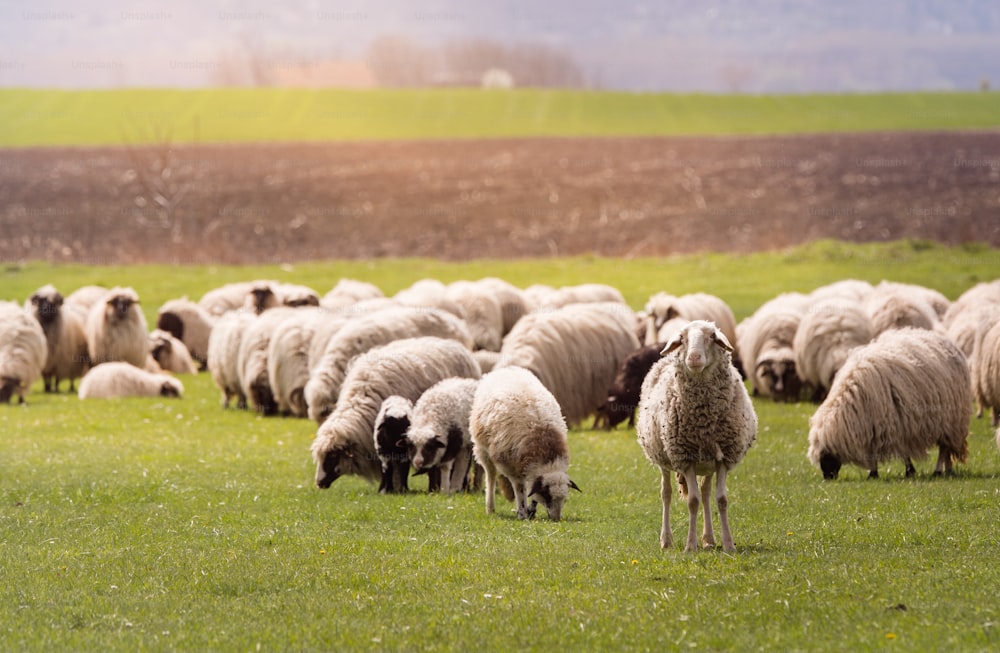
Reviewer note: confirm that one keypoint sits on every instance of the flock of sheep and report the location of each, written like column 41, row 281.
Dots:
column 475, row 383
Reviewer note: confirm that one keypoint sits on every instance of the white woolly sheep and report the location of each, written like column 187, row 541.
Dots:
column 897, row 306
column 262, row 296
column 904, row 392
column 359, row 335
column 224, row 355
column 765, row 341
column 344, row 443
column 428, row 293
column 116, row 329
column 847, row 289
column 574, row 351
column 189, row 323
column 482, row 312
column 350, row 291
column 663, row 307
column 487, row 359
column 391, row 443
column 252, row 362
column 66, row 341
column 114, row 380
column 229, row 297
column 978, row 305
column 541, row 297
column 518, row 432
column 513, row 305
column 170, row 354
column 985, row 369
column 288, row 358
column 696, row 419
column 827, row 334
column 23, row 351
column 86, row 296
column 439, row 436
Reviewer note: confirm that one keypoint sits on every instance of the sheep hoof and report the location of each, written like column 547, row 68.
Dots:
column 708, row 542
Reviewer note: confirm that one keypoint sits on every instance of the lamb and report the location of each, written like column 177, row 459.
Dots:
column 116, row 329
column 288, row 359
column 518, row 432
column 349, row 291
column 897, row 306
column 897, row 396
column 827, row 334
column 189, row 323
column 482, row 312
column 86, row 296
column 391, row 444
column 574, row 351
column 170, row 354
column 66, row 341
column 252, row 362
column 623, row 395
column 765, row 346
column 344, row 443
column 439, row 436
column 116, row 379
column 359, row 335
column 23, row 351
column 224, row 354
column 985, row 369
column 696, row 419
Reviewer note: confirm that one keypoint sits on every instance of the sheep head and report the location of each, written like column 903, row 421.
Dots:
column 119, row 303
column 8, row 386
column 47, row 302
column 702, row 347
column 550, row 489
column 775, row 375
column 170, row 388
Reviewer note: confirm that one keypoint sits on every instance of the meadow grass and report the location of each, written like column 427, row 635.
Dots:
column 177, row 525
column 30, row 117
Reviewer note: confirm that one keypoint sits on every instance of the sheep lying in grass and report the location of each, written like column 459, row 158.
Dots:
column 66, row 341
column 696, row 419
column 518, row 432
column 344, row 443
column 391, row 443
column 189, row 323
column 113, row 380
column 224, row 355
column 23, row 351
column 116, row 329
column 904, row 392
column 439, row 436
column 170, row 353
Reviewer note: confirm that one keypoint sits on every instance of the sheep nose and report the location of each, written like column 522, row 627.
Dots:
column 695, row 361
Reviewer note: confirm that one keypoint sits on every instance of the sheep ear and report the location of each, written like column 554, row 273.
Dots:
column 574, row 486
column 536, row 488
column 402, row 443
column 674, row 343
column 721, row 340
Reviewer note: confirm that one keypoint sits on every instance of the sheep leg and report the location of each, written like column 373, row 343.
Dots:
column 722, row 503
column 943, row 465
column 707, row 533
column 460, row 470
column 666, row 489
column 693, row 501
column 446, row 476
column 491, row 483
column 521, row 500
column 911, row 471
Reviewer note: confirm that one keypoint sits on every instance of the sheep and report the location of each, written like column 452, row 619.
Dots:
column 66, row 341
column 344, row 443
column 765, row 342
column 252, row 362
column 540, row 297
column 985, row 370
column 23, row 351
column 847, row 289
column 262, row 296
column 189, row 323
column 116, row 379
column 359, row 335
column 170, row 354
column 897, row 396
column 349, row 291
column 391, row 444
column 977, row 305
column 574, row 351
column 224, row 352
column 116, row 329
column 482, row 312
column 696, row 419
column 438, row 437
column 897, row 306
column 487, row 359
column 288, row 359
column 827, row 334
column 229, row 297
column 86, row 296
column 663, row 307
column 623, row 395
column 518, row 432
column 428, row 293
column 513, row 305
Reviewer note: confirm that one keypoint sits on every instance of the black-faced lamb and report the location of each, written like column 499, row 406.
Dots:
column 23, row 351
column 115, row 379
column 765, row 347
column 391, row 443
column 518, row 432
column 623, row 395
column 189, row 323
column 66, row 341
column 696, row 419
column 827, row 334
column 116, row 329
column 170, row 354
column 224, row 355
column 344, row 443
column 904, row 392
column 574, row 351
column 438, row 437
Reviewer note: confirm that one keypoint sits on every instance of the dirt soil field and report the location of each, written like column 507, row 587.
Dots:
column 499, row 198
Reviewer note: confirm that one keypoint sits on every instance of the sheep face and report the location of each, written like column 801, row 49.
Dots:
column 46, row 304
column 777, row 377
column 336, row 462
column 551, row 490
column 172, row 324
column 118, row 307
column 830, row 465
column 170, row 389
column 263, row 396
column 8, row 386
column 702, row 346
column 427, row 451
column 261, row 298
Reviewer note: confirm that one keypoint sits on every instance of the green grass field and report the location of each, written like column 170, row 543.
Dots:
column 176, row 525
column 113, row 117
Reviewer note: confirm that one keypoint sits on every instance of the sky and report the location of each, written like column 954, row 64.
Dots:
column 685, row 46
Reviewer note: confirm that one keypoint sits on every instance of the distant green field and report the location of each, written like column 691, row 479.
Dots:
column 109, row 117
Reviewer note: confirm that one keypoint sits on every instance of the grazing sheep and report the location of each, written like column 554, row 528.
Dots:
column 229, row 297
column 113, row 380
column 827, row 334
column 391, row 443
column 359, row 335
column 854, row 290
column 349, row 291
column 540, row 297
column 296, row 296
column 976, row 306
column 765, row 347
column 224, row 355
column 574, row 351
column 66, row 341
column 116, row 329
column 623, row 395
column 262, row 296
column 487, row 359
column 985, row 369
column 23, row 351
column 696, row 419
column 513, row 305
column 288, row 359
column 518, row 432
column 170, row 354
column 252, row 361
column 439, row 435
column 902, row 393
column 324, row 330
column 428, row 293
column 344, row 443
column 897, row 306
column 482, row 312
column 189, row 323
column 662, row 308
column 86, row 296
